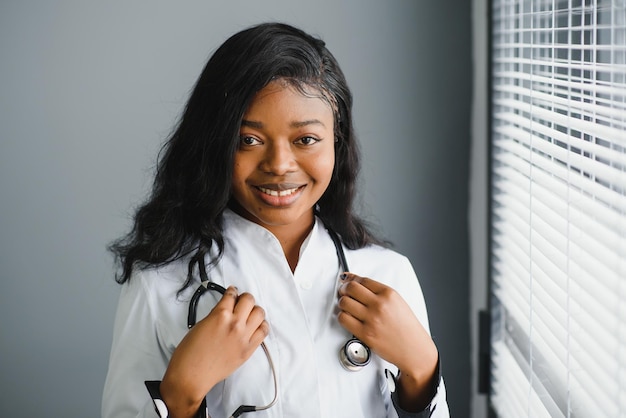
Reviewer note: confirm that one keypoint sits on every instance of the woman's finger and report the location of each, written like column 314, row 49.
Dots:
column 244, row 305
column 370, row 284
column 227, row 301
column 260, row 333
column 354, row 288
column 350, row 323
column 352, row 306
column 256, row 316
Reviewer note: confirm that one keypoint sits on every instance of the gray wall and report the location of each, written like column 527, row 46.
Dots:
column 89, row 90
column 478, row 203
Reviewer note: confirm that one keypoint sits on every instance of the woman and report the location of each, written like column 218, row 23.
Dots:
column 250, row 193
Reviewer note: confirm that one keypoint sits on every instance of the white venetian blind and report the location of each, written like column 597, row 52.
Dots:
column 558, row 253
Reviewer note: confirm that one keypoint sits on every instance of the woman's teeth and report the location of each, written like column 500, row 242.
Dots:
column 277, row 192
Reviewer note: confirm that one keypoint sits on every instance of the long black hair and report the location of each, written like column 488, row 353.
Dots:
column 192, row 186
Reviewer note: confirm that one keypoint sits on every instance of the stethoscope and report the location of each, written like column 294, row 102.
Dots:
column 353, row 356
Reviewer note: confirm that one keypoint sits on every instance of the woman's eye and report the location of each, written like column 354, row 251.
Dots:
column 248, row 140
column 307, row 140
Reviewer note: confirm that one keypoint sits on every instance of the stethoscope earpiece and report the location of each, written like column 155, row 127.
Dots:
column 354, row 355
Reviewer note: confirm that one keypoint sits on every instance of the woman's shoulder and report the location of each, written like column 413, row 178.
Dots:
column 165, row 279
column 376, row 259
column 378, row 253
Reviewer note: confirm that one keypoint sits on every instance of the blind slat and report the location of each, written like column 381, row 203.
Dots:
column 591, row 198
column 558, row 224
column 512, row 185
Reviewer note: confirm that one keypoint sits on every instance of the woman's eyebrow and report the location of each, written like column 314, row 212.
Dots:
column 295, row 124
column 300, row 124
column 252, row 123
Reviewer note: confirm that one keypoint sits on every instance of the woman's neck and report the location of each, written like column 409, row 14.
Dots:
column 291, row 249
column 291, row 238
column 290, row 235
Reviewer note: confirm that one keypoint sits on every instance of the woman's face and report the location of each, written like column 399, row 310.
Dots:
column 285, row 157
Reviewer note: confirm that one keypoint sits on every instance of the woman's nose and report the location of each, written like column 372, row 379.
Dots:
column 278, row 159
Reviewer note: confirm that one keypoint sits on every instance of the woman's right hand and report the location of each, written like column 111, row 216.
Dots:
column 211, row 351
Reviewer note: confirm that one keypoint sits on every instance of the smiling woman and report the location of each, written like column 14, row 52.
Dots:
column 284, row 163
column 253, row 198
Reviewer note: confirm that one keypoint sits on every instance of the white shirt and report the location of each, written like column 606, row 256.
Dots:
column 304, row 340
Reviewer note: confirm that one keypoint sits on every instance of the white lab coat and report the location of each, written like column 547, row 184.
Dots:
column 304, row 339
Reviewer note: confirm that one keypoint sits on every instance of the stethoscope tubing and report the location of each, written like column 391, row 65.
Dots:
column 193, row 303
column 191, row 321
column 353, row 356
column 352, row 359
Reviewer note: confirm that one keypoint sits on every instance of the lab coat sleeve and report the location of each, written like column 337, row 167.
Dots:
column 437, row 408
column 409, row 287
column 136, row 354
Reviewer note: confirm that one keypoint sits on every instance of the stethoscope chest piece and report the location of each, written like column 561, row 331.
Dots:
column 354, row 355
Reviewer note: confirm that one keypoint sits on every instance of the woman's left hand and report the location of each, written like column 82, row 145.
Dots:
column 377, row 315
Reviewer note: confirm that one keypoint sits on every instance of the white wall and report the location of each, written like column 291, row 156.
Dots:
column 88, row 91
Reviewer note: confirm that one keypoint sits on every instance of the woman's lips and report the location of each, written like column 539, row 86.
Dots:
column 282, row 194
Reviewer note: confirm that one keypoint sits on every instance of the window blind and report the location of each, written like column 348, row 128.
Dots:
column 558, row 208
